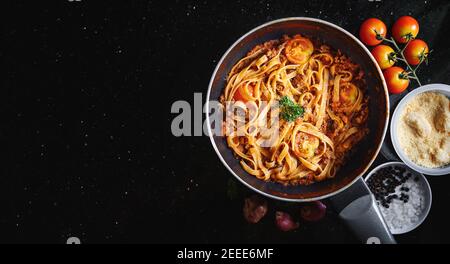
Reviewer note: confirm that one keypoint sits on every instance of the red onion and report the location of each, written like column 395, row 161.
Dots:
column 255, row 208
column 313, row 211
column 285, row 222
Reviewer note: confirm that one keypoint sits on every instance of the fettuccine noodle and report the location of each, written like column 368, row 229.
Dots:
column 325, row 83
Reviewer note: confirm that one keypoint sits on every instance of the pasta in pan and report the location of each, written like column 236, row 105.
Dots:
column 328, row 114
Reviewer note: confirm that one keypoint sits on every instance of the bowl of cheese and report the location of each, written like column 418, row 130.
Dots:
column 420, row 129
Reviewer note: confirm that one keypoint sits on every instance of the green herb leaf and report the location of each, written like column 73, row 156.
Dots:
column 290, row 111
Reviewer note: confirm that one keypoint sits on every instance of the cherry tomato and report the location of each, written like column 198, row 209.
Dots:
column 307, row 145
column 415, row 50
column 369, row 29
column 396, row 84
column 299, row 49
column 348, row 94
column 244, row 93
column 404, row 28
column 384, row 54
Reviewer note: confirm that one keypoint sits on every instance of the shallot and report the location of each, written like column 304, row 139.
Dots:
column 313, row 211
column 285, row 222
column 255, row 208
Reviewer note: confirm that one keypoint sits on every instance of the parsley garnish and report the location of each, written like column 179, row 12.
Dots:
column 290, row 111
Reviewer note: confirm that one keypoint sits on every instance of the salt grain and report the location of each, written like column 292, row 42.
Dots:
column 401, row 215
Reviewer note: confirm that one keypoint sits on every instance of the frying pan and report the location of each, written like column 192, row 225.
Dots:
column 347, row 191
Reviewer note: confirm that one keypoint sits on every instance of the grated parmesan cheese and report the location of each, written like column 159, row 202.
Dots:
column 424, row 129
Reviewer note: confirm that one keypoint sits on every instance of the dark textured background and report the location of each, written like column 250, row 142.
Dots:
column 86, row 94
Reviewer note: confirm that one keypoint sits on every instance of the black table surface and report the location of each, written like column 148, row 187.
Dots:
column 86, row 97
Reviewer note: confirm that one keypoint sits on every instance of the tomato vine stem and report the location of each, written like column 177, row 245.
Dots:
column 403, row 59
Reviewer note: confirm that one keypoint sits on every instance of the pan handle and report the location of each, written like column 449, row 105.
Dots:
column 357, row 207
